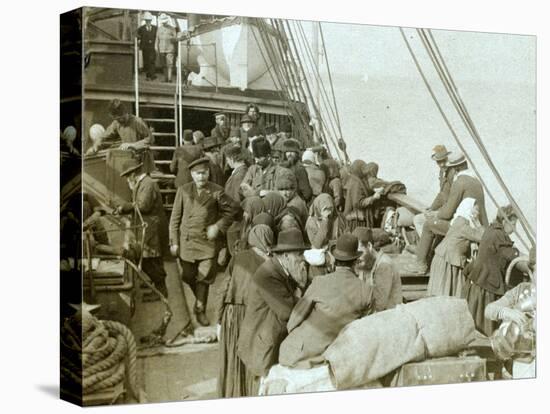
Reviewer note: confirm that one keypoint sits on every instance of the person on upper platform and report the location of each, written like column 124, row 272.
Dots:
column 221, row 130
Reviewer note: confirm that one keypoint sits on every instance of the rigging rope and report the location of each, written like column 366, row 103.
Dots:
column 452, row 90
column 447, row 122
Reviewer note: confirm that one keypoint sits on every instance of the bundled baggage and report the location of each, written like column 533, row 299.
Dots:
column 371, row 347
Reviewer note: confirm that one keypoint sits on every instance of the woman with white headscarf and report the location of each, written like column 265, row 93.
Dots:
column 446, row 270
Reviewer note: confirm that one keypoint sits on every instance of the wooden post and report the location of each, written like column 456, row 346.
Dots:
column 136, row 74
column 179, row 95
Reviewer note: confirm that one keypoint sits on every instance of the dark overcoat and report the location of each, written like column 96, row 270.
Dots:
column 330, row 303
column 193, row 213
column 268, row 306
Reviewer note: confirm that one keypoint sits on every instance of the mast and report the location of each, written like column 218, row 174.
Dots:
column 316, row 85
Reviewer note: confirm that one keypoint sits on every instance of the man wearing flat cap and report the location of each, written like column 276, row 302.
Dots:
column 270, row 300
column 260, row 177
column 330, row 303
column 146, row 197
column 201, row 214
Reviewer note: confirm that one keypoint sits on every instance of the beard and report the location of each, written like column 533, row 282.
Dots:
column 366, row 262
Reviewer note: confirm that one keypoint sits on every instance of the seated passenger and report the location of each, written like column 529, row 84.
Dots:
column 378, row 271
column 330, row 303
column 358, row 209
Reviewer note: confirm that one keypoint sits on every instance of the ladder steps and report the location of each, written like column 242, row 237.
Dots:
column 159, row 120
column 168, row 190
column 156, row 106
column 157, row 176
column 156, row 148
column 164, row 134
column 162, row 162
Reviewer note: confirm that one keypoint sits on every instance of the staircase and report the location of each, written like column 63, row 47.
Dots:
column 162, row 120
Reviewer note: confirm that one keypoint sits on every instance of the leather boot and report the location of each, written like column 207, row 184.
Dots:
column 200, row 304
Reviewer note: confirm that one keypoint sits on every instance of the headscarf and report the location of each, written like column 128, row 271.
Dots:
column 274, row 203
column 333, row 168
column 319, row 203
column 465, row 210
column 261, row 237
column 286, row 179
column 358, row 168
column 252, row 206
column 264, row 218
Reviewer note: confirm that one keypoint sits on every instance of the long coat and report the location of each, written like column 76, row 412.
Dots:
column 183, row 156
column 233, row 183
column 317, row 178
column 147, row 197
column 446, row 177
column 193, row 213
column 268, row 306
column 454, row 246
column 330, row 303
column 264, row 179
column 464, row 186
column 358, row 201
column 496, row 251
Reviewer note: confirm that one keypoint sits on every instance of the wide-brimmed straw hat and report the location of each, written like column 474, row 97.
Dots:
column 456, row 159
column 440, row 152
column 147, row 16
column 290, row 240
column 346, row 247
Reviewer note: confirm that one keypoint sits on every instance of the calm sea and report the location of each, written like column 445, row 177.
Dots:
column 394, row 122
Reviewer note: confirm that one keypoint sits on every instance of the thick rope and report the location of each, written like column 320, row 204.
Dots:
column 453, row 92
column 447, row 122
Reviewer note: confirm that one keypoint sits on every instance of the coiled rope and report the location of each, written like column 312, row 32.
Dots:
column 106, row 357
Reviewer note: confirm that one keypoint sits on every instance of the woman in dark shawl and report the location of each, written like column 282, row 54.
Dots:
column 334, row 183
column 233, row 380
column 252, row 207
column 274, row 203
column 358, row 208
column 484, row 277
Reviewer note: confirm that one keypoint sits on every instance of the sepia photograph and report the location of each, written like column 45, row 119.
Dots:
column 258, row 206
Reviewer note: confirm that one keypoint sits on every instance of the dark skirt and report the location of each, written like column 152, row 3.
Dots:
column 445, row 279
column 478, row 299
column 233, row 378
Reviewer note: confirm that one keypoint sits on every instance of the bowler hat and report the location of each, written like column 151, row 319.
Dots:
column 210, row 142
column 346, row 248
column 188, row 135
column 291, row 145
column 130, row 166
column 200, row 161
column 456, row 159
column 290, row 240
column 440, row 153
column 233, row 150
column 247, row 118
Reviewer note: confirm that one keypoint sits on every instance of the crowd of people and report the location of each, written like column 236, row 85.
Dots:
column 302, row 242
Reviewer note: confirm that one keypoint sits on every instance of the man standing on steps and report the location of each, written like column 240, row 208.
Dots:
column 147, row 35
column 202, row 212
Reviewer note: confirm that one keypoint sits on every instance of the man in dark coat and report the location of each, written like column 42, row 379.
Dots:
column 236, row 161
column 147, row 198
column 330, row 303
column 221, row 130
column 270, row 300
column 291, row 150
column 446, row 176
column 202, row 212
column 465, row 185
column 211, row 147
column 183, row 156
column 261, row 176
column 147, row 35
